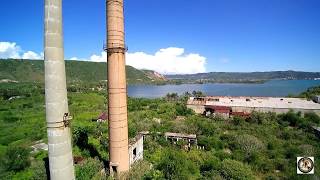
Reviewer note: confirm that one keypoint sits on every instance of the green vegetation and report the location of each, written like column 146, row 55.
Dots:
column 82, row 74
column 90, row 169
column 16, row 158
column 310, row 92
column 264, row 146
column 77, row 72
column 231, row 169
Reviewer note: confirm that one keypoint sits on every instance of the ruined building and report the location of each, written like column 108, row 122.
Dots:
column 136, row 149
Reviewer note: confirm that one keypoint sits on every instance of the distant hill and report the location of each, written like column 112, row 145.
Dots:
column 83, row 71
column 155, row 75
column 77, row 71
column 243, row 76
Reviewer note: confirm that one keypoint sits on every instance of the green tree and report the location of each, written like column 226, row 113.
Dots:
column 248, row 143
column 172, row 97
column 182, row 110
column 153, row 175
column 39, row 170
column 175, row 165
column 89, row 169
column 231, row 169
column 310, row 93
column 80, row 137
column 293, row 118
column 198, row 94
column 16, row 158
column 313, row 118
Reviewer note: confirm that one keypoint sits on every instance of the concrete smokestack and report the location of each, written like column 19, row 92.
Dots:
column 117, row 89
column 59, row 141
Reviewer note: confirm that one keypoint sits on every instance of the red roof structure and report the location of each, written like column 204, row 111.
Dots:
column 103, row 116
column 219, row 109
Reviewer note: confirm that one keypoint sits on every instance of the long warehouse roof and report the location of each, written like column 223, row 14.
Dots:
column 260, row 102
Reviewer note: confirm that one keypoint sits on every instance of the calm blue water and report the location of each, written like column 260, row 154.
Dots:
column 270, row 88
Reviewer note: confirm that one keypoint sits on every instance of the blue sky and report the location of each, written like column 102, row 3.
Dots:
column 218, row 35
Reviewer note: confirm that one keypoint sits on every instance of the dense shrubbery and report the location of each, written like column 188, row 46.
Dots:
column 89, row 169
column 16, row 158
column 182, row 110
column 17, row 90
column 231, row 169
column 176, row 165
column 248, row 143
column 297, row 120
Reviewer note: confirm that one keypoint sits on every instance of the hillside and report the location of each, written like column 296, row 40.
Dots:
column 77, row 71
column 243, row 76
column 155, row 75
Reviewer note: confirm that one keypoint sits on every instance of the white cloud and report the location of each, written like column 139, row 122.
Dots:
column 12, row 50
column 99, row 58
column 95, row 58
column 31, row 55
column 9, row 50
column 171, row 60
column 74, row 58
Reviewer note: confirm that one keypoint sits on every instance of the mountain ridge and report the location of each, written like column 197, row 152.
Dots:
column 76, row 71
column 243, row 76
column 83, row 71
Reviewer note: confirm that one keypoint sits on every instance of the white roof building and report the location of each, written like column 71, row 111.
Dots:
column 264, row 102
